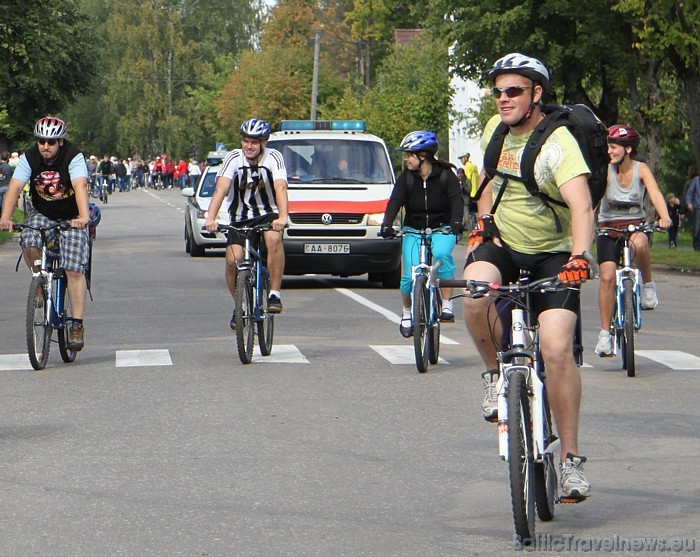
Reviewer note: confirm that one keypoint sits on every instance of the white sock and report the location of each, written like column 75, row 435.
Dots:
column 275, row 293
column 447, row 304
column 406, row 313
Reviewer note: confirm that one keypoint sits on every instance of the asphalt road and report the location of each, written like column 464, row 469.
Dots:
column 326, row 448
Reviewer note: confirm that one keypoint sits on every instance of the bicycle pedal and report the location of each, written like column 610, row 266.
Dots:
column 572, row 499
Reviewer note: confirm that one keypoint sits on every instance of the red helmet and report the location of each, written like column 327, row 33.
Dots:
column 623, row 135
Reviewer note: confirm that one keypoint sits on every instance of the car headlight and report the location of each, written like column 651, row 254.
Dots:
column 201, row 214
column 376, row 219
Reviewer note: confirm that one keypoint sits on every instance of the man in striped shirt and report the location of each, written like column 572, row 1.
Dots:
column 253, row 180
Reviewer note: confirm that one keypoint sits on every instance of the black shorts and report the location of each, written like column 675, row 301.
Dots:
column 541, row 265
column 610, row 249
column 238, row 238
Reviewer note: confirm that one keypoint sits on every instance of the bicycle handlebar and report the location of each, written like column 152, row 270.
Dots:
column 481, row 288
column 403, row 232
column 63, row 225
column 628, row 230
column 258, row 227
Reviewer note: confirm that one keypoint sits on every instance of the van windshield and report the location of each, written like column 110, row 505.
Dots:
column 313, row 161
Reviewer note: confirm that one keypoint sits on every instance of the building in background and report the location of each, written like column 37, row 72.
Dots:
column 467, row 95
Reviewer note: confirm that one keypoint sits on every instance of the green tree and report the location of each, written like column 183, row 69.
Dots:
column 48, row 59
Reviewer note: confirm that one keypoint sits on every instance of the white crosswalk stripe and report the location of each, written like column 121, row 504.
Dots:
column 674, row 359
column 399, row 353
column 143, row 358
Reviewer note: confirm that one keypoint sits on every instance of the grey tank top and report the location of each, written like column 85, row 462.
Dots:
column 620, row 203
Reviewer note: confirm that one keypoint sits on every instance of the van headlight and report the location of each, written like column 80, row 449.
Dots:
column 376, row 219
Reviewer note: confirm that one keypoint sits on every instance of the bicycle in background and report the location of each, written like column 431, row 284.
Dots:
column 426, row 301
column 252, row 294
column 627, row 309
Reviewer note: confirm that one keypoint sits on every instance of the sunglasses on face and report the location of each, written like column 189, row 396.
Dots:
column 50, row 142
column 511, row 92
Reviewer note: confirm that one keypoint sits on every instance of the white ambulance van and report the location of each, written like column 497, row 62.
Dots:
column 340, row 179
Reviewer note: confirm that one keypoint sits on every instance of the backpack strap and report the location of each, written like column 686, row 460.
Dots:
column 553, row 119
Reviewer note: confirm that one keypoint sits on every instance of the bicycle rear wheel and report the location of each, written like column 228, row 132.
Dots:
column 266, row 325
column 244, row 316
column 67, row 355
column 434, row 340
column 628, row 329
column 520, row 459
column 421, row 331
column 546, row 472
column 37, row 324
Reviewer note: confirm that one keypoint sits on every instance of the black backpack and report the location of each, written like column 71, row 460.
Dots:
column 587, row 129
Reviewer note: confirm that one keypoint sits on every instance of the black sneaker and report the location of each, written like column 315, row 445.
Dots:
column 232, row 324
column 406, row 327
column 274, row 304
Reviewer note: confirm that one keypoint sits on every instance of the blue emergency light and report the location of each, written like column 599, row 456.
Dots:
column 323, row 125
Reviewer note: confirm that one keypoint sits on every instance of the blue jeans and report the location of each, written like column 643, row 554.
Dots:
column 696, row 228
column 440, row 244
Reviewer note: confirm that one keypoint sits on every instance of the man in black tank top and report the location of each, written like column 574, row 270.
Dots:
column 56, row 172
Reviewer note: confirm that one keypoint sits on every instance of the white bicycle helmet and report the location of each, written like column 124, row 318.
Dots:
column 50, row 128
column 523, row 65
column 257, row 129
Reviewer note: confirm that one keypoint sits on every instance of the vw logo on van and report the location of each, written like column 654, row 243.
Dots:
column 327, row 218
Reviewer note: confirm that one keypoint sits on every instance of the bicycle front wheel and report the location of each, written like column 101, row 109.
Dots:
column 245, row 321
column 520, row 458
column 628, row 329
column 67, row 355
column 434, row 330
column 546, row 472
column 38, row 325
column 421, row 330
column 266, row 324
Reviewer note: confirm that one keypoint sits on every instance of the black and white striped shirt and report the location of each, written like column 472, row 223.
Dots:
column 252, row 190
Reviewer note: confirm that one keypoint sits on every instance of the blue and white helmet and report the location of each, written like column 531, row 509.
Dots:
column 257, row 129
column 419, row 141
column 518, row 63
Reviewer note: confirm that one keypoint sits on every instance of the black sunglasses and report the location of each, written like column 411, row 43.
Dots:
column 51, row 142
column 511, row 92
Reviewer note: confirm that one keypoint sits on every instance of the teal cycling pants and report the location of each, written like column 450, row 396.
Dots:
column 440, row 244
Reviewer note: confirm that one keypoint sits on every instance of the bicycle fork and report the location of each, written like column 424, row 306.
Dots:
column 531, row 368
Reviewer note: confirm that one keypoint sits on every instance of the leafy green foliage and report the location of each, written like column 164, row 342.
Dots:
column 48, row 59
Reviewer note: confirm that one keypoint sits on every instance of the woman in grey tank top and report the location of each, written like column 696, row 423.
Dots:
column 630, row 184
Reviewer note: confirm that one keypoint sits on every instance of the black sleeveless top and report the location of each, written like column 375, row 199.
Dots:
column 50, row 184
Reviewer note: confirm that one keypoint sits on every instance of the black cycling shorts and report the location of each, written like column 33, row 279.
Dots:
column 541, row 265
column 610, row 249
column 238, row 238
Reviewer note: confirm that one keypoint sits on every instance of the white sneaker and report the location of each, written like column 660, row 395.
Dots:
column 490, row 404
column 649, row 298
column 574, row 485
column 604, row 347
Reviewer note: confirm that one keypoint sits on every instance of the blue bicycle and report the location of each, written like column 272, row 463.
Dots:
column 627, row 311
column 252, row 294
column 48, row 305
column 426, row 301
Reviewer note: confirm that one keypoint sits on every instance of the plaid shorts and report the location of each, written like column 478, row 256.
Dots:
column 73, row 243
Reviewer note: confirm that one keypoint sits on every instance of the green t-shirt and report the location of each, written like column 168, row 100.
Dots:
column 524, row 222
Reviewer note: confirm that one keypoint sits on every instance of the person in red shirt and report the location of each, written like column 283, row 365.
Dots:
column 181, row 172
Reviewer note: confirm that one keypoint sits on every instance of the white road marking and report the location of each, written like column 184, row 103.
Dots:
column 391, row 316
column 281, row 354
column 14, row 362
column 143, row 358
column 399, row 354
column 675, row 359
